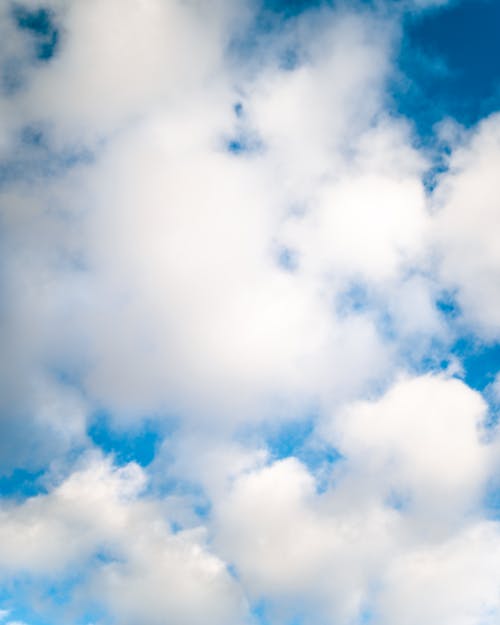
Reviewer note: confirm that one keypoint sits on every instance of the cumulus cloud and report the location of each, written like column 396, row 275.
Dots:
column 466, row 219
column 96, row 522
column 403, row 496
column 213, row 220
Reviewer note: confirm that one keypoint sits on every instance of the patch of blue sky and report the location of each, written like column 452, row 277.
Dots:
column 238, row 109
column 289, row 437
column 481, row 361
column 439, row 166
column 50, row 600
column 296, row 438
column 40, row 24
column 447, row 305
column 491, row 501
column 292, row 8
column 259, row 612
column 16, row 597
column 236, row 145
column 243, row 143
column 138, row 444
column 476, row 362
column 449, row 64
column 263, row 613
column 21, row 484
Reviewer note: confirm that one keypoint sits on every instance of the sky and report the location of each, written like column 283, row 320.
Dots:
column 249, row 312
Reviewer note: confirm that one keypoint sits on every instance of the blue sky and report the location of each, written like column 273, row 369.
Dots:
column 250, row 312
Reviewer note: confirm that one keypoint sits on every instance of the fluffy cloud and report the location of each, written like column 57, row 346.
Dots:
column 396, row 522
column 223, row 228
column 467, row 216
column 95, row 522
column 423, row 442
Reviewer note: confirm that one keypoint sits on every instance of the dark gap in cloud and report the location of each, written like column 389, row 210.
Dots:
column 33, row 136
column 295, row 438
column 447, row 305
column 481, row 361
column 238, row 109
column 292, row 8
column 21, row 483
column 243, row 144
column 449, row 64
column 39, row 23
column 289, row 438
column 491, row 501
column 236, row 146
column 134, row 445
column 432, row 176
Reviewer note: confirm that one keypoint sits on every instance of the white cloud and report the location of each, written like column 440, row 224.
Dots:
column 150, row 278
column 423, row 439
column 399, row 515
column 449, row 583
column 466, row 220
column 147, row 572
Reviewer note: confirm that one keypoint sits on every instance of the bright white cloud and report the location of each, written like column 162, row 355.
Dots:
column 467, row 217
column 227, row 228
column 399, row 512
column 144, row 572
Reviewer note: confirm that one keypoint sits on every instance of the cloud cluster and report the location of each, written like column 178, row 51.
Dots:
column 95, row 523
column 211, row 218
column 398, row 520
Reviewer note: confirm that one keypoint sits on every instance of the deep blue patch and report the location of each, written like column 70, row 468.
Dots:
column 126, row 445
column 296, row 439
column 440, row 166
column 238, row 109
column 450, row 62
column 32, row 135
column 21, row 484
column 481, row 361
column 236, row 146
column 243, row 143
column 291, row 8
column 447, row 305
column 40, row 24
